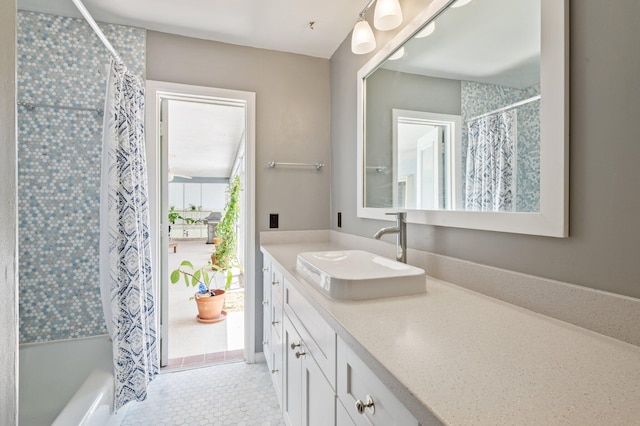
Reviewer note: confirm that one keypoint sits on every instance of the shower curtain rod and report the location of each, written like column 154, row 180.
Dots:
column 87, row 16
column 513, row 105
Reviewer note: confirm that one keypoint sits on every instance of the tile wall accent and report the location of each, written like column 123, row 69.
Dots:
column 479, row 98
column 62, row 62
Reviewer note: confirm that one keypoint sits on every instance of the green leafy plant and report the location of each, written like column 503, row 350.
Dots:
column 174, row 215
column 195, row 277
column 225, row 255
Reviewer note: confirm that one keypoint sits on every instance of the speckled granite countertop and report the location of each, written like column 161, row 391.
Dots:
column 458, row 357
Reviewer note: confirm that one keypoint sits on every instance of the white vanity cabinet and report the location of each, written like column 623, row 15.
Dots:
column 308, row 398
column 366, row 400
column 272, row 323
column 317, row 377
column 266, row 310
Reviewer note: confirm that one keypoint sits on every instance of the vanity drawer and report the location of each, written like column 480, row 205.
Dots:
column 358, row 385
column 319, row 337
column 277, row 283
column 276, row 319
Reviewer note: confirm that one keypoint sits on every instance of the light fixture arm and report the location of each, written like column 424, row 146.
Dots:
column 365, row 9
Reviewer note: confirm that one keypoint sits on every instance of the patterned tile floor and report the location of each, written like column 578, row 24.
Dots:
column 227, row 394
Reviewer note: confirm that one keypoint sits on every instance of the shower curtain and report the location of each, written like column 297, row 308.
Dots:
column 125, row 251
column 490, row 164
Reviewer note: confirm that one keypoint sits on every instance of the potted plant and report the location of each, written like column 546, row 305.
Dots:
column 225, row 257
column 173, row 216
column 210, row 301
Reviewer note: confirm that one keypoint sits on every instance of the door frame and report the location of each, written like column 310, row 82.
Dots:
column 157, row 167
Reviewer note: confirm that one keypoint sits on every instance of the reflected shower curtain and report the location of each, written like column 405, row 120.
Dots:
column 490, row 165
column 125, row 250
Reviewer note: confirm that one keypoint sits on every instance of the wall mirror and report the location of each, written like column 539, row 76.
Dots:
column 463, row 118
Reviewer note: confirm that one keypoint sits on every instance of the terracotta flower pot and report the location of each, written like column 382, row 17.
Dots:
column 210, row 307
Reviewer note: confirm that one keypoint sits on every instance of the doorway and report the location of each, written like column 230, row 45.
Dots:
column 198, row 139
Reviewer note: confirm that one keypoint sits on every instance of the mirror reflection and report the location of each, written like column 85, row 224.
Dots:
column 452, row 117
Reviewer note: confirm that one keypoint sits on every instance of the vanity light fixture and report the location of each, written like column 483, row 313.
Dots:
column 427, row 31
column 387, row 16
column 362, row 39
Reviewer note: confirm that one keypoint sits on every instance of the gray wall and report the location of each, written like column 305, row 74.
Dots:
column 292, row 122
column 8, row 212
column 603, row 249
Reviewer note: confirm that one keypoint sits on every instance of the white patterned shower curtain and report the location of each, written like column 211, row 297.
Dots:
column 125, row 251
column 490, row 164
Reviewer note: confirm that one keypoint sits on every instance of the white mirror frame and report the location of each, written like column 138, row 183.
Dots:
column 553, row 218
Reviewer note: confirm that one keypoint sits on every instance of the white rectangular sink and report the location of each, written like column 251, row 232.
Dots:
column 358, row 274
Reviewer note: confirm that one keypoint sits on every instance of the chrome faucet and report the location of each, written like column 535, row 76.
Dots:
column 401, row 230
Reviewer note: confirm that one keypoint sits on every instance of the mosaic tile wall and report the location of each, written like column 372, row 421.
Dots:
column 479, row 98
column 62, row 62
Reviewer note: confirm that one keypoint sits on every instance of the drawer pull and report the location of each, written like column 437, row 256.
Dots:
column 265, row 342
column 295, row 345
column 299, row 354
column 275, row 322
column 361, row 406
column 265, row 302
column 276, row 282
column 265, row 269
column 274, row 371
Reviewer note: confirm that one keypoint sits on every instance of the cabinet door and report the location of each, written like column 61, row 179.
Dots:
column 266, row 312
column 318, row 397
column 292, row 380
column 342, row 417
column 276, row 369
column 358, row 386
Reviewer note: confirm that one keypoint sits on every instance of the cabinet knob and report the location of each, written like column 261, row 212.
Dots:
column 299, row 354
column 265, row 342
column 274, row 371
column 294, row 345
column 275, row 322
column 265, row 302
column 265, row 269
column 361, row 406
column 276, row 282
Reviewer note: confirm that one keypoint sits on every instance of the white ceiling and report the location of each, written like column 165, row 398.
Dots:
column 488, row 41
column 203, row 138
column 270, row 24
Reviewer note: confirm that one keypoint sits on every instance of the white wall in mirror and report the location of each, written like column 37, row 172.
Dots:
column 544, row 213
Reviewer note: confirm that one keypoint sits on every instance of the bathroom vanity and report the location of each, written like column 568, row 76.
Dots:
column 447, row 356
column 318, row 378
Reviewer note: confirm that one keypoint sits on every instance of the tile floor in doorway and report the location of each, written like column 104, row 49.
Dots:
column 226, row 394
column 192, row 343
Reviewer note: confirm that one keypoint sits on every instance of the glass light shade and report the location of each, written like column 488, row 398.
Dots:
column 461, row 3
column 427, row 31
column 362, row 39
column 388, row 15
column 397, row 54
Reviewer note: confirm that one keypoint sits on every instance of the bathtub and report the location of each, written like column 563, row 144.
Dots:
column 67, row 383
